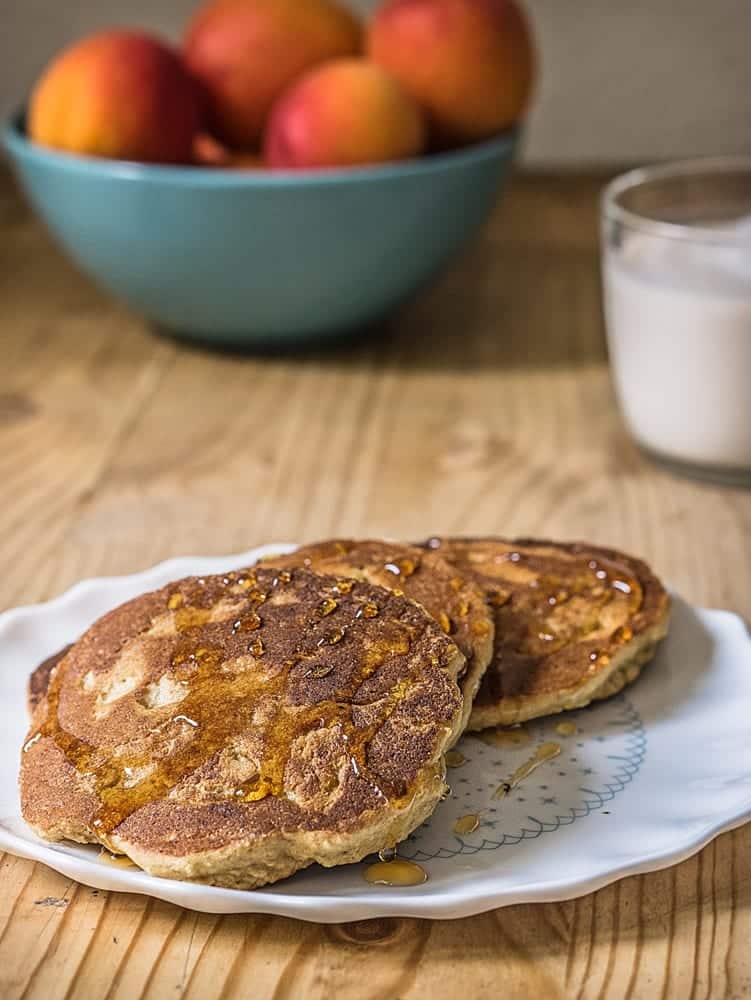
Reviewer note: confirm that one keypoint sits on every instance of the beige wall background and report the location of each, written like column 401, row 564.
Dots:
column 623, row 81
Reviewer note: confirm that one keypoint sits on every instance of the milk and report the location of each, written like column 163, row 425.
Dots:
column 679, row 333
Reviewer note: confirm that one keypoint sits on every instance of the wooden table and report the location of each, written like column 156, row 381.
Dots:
column 484, row 407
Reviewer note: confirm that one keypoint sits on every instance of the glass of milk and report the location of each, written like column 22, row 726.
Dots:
column 677, row 280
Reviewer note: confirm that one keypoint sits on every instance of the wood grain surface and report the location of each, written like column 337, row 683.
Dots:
column 483, row 407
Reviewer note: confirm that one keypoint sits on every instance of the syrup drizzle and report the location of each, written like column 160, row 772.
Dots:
column 467, row 824
column 545, row 601
column 516, row 737
column 117, row 860
column 455, row 759
column 545, row 752
column 220, row 703
column 566, row 728
column 398, row 873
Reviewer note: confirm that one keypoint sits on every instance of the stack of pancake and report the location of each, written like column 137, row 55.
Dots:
column 234, row 729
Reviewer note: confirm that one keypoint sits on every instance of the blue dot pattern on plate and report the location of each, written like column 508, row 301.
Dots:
column 594, row 765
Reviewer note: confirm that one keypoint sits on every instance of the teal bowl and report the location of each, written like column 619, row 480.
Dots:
column 261, row 258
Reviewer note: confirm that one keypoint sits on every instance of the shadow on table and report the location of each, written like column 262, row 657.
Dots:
column 501, row 310
column 500, row 306
column 524, row 294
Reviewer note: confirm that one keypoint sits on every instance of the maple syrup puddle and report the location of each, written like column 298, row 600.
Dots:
column 546, row 751
column 397, row 872
column 216, row 704
column 516, row 737
column 566, row 729
column 466, row 824
column 455, row 759
column 117, row 860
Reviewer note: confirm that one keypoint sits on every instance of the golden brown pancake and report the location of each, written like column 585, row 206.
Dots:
column 234, row 729
column 573, row 623
column 457, row 603
column 40, row 678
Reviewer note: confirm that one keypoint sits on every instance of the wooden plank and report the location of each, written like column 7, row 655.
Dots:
column 483, row 407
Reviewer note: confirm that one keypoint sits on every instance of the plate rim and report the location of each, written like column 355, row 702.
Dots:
column 443, row 904
column 446, row 904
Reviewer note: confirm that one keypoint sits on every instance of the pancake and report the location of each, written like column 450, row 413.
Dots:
column 40, row 679
column 458, row 604
column 234, row 729
column 574, row 623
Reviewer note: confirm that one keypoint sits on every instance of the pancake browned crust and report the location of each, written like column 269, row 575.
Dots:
column 457, row 603
column 574, row 623
column 40, row 678
column 234, row 729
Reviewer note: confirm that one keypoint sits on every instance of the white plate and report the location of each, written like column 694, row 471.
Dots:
column 649, row 778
